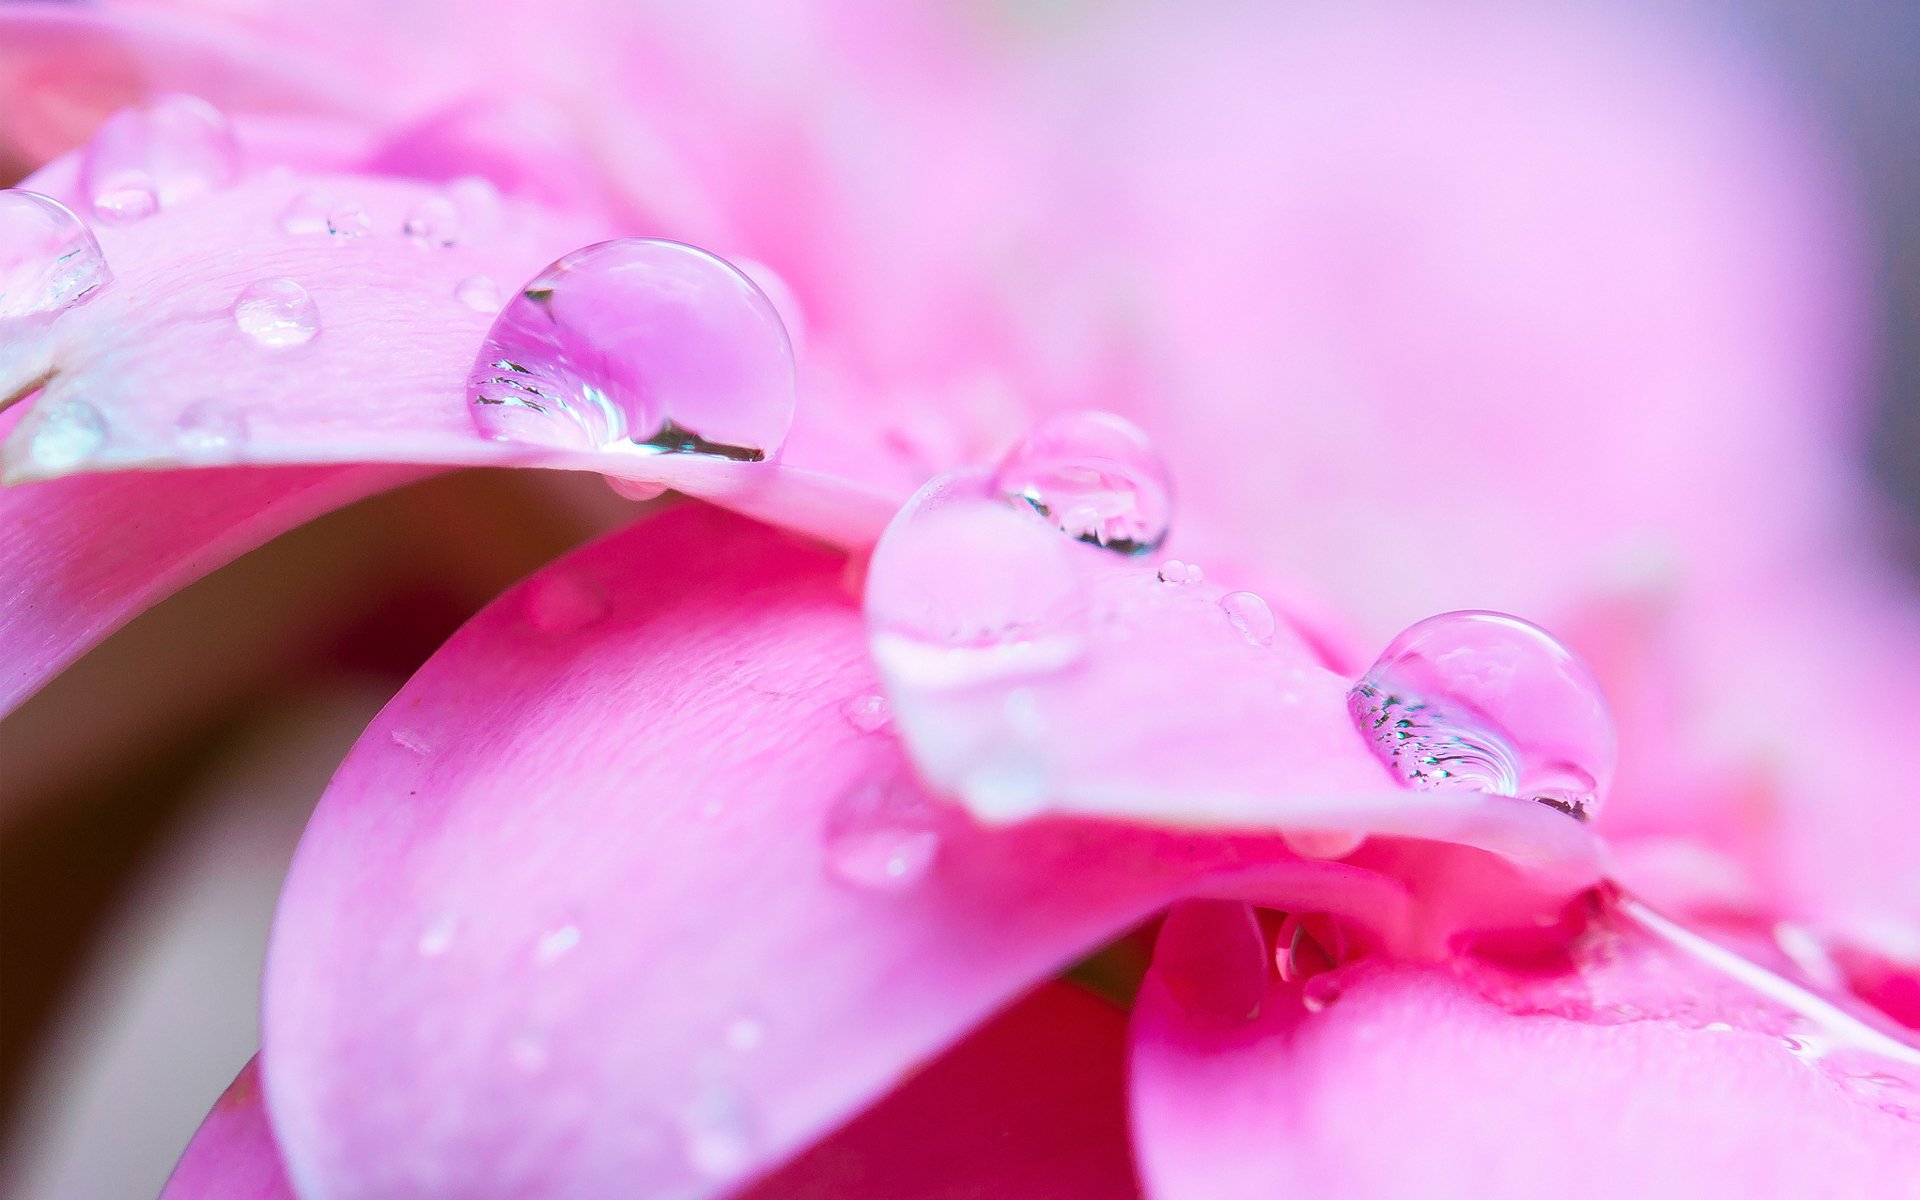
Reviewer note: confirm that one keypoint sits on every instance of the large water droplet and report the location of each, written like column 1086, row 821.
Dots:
column 1095, row 476
column 1485, row 701
column 49, row 259
column 164, row 153
column 638, row 345
column 882, row 834
column 208, row 431
column 63, row 435
column 277, row 313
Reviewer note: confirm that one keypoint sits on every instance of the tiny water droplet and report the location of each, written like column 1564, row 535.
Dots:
column 307, row 213
column 1321, row 992
column 638, row 346
column 1096, row 477
column 1488, row 702
column 411, row 742
column 555, row 943
column 717, row 1131
column 1250, row 615
column 64, row 435
column 437, row 938
column 208, row 431
column 277, row 313
column 49, row 259
column 348, row 220
column 745, row 1033
column 158, row 155
column 868, row 714
column 434, row 221
column 636, row 489
column 882, row 834
column 1175, row 571
column 479, row 293
column 562, row 602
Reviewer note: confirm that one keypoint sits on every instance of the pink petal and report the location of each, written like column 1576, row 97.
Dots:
column 1640, row 1077
column 1031, row 1106
column 233, row 1157
column 609, row 827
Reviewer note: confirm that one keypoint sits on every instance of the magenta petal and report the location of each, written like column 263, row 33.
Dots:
column 233, row 1156
column 578, row 874
column 1409, row 1083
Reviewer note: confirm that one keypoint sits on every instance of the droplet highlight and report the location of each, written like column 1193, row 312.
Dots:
column 1488, row 702
column 49, row 259
column 638, row 346
column 1096, row 477
column 158, row 155
column 277, row 313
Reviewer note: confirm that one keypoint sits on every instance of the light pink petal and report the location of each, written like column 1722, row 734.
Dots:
column 233, row 1157
column 1031, row 1106
column 1641, row 1076
column 620, row 827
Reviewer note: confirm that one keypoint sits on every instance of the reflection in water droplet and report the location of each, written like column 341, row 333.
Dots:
column 210, row 432
column 717, row 1131
column 1485, row 701
column 307, row 213
column 277, row 313
column 1175, row 571
column 479, row 293
column 63, row 435
column 868, row 714
column 158, row 155
column 638, row 346
column 434, row 221
column 882, row 834
column 348, row 220
column 556, row 942
column 1096, row 477
column 1250, row 615
column 49, row 259
column 561, row 601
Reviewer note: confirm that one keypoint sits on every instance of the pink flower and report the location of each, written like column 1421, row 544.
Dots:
column 670, row 870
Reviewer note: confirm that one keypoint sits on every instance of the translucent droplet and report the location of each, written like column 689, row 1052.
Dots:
column 562, row 602
column 1488, row 702
column 210, row 432
column 348, row 220
column 718, row 1131
column 882, row 834
column 307, row 213
column 638, row 345
column 1175, row 571
column 1096, row 477
column 1250, row 615
column 479, row 293
column 63, row 435
column 161, row 154
column 434, row 221
column 277, row 313
column 868, row 714
column 49, row 259
column 555, row 943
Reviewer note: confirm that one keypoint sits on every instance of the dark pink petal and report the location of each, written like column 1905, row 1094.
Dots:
column 1031, row 1106
column 233, row 1157
column 1641, row 1075
column 615, row 869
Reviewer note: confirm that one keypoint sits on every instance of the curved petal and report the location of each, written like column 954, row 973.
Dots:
column 619, row 818
column 233, row 1157
column 1031, row 1106
column 1641, row 1077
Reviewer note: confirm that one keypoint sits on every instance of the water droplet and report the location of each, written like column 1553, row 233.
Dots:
column 1175, row 571
column 1485, row 701
column 745, row 1033
column 49, row 259
column 277, row 313
column 410, row 741
column 437, row 938
column 479, row 293
column 561, row 602
column 868, row 714
column 882, row 834
column 434, row 221
column 307, row 213
column 718, row 1131
column 64, row 435
column 1322, row 991
column 637, row 345
column 636, row 489
column 1250, row 615
column 1323, row 843
column 348, row 220
column 210, row 432
column 1095, row 476
column 158, row 155
column 555, row 943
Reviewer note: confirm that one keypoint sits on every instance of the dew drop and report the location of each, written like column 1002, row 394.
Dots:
column 63, row 435
column 1250, row 615
column 717, row 1131
column 479, row 293
column 556, row 943
column 562, row 602
column 208, row 431
column 434, row 221
column 306, row 213
column 1095, row 476
column 158, row 155
column 868, row 714
column 348, row 220
column 882, row 834
column 638, row 346
column 1488, row 702
column 49, row 259
column 277, row 313
column 1175, row 571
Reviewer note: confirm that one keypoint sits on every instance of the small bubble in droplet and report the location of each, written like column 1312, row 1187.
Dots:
column 479, row 293
column 637, row 346
column 64, row 434
column 306, row 213
column 127, row 197
column 277, row 313
column 881, row 834
column 1485, row 701
column 49, row 259
column 1250, row 615
column 157, row 155
column 555, row 943
column 348, row 220
column 718, row 1131
column 1175, row 571
column 563, row 601
column 434, row 221
column 745, row 1033
column 208, row 431
column 868, row 714
column 1096, row 477
column 437, row 938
